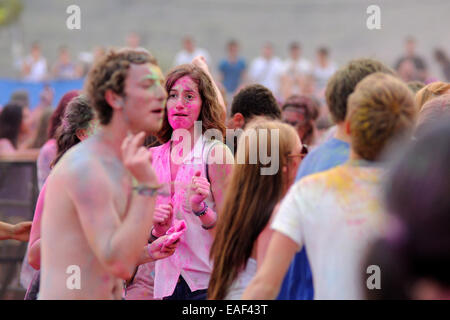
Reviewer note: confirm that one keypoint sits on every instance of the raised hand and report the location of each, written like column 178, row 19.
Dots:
column 200, row 190
column 137, row 159
column 162, row 219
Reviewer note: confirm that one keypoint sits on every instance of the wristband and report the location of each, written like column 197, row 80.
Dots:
column 201, row 212
column 145, row 190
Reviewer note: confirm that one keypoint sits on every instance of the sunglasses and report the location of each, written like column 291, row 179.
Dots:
column 302, row 154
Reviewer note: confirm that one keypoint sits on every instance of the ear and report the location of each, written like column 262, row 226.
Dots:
column 81, row 134
column 113, row 99
column 238, row 120
column 347, row 128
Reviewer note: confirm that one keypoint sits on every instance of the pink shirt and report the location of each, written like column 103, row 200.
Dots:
column 191, row 258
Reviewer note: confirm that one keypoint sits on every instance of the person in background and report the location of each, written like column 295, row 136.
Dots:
column 64, row 68
column 189, row 52
column 251, row 198
column 34, row 66
column 12, row 125
column 232, row 69
column 432, row 112
column 415, row 67
column 441, row 57
column 41, row 132
column 323, row 69
column 265, row 70
column 49, row 150
column 133, row 40
column 294, row 69
column 301, row 112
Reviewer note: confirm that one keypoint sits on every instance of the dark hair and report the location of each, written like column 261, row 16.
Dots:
column 295, row 45
column 110, row 73
column 344, row 81
column 78, row 115
column 10, row 121
column 255, row 100
column 41, row 133
column 417, row 195
column 211, row 112
column 310, row 109
column 55, row 120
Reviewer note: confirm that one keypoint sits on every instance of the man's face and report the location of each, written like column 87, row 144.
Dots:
column 145, row 97
column 295, row 53
column 267, row 52
column 294, row 117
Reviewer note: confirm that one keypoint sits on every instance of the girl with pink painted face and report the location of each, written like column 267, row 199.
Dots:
column 195, row 167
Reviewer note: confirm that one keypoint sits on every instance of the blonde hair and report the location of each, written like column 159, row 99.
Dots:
column 381, row 106
column 430, row 91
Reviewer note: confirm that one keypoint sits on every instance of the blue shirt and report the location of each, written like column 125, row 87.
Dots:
column 298, row 284
column 232, row 73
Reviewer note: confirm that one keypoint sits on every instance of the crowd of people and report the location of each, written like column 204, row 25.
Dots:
column 283, row 181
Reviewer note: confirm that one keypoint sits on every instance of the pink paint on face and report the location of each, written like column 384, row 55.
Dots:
column 184, row 104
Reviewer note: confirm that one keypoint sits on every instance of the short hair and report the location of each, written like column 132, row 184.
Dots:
column 211, row 112
column 255, row 100
column 110, row 73
column 344, row 81
column 430, row 91
column 381, row 107
column 432, row 113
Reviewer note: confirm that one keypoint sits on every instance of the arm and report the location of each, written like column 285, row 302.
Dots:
column 117, row 244
column 153, row 251
column 220, row 164
column 20, row 231
column 268, row 279
column 34, row 245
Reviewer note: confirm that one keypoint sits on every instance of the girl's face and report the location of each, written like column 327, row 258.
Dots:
column 183, row 104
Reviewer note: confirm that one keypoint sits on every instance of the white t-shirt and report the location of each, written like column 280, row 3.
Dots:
column 267, row 73
column 38, row 70
column 184, row 57
column 335, row 214
column 321, row 75
column 300, row 66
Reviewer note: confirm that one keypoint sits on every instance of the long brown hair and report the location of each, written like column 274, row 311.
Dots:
column 250, row 199
column 211, row 113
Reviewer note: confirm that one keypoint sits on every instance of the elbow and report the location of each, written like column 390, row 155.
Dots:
column 34, row 256
column 119, row 267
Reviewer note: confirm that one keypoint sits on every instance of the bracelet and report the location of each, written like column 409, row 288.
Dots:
column 209, row 227
column 201, row 212
column 152, row 237
column 145, row 190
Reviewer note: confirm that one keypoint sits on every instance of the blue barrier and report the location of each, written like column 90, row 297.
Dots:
column 60, row 87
